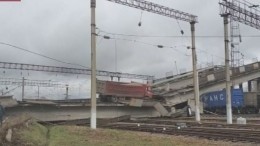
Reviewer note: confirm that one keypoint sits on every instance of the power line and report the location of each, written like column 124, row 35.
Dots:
column 158, row 36
column 44, row 56
column 172, row 36
column 115, row 56
column 206, row 52
column 158, row 46
column 181, row 30
column 145, row 43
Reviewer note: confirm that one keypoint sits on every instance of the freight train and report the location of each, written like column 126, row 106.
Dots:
column 243, row 103
column 110, row 91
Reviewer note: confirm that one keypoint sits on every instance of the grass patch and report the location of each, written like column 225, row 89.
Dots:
column 34, row 135
column 66, row 136
column 83, row 136
column 38, row 135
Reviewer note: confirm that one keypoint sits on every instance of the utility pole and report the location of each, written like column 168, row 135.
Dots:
column 23, row 84
column 228, row 94
column 243, row 12
column 38, row 92
column 67, row 92
column 212, row 60
column 177, row 72
column 195, row 74
column 93, row 119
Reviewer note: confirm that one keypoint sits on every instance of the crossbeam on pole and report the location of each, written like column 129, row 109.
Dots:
column 242, row 12
column 158, row 9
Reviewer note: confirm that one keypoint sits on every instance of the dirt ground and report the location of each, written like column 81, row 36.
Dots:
column 13, row 123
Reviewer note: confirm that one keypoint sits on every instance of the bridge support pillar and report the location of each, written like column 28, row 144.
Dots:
column 258, row 85
column 249, row 85
column 241, row 86
column 23, row 84
column 254, row 86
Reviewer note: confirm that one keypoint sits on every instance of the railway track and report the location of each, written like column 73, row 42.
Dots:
column 251, row 119
column 228, row 134
column 182, row 126
column 234, row 115
column 196, row 124
column 222, row 120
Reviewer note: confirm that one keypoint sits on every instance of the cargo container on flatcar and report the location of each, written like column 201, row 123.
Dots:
column 252, row 102
column 110, row 91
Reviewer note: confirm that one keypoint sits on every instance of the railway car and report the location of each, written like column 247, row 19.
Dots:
column 216, row 101
column 252, row 102
column 110, row 91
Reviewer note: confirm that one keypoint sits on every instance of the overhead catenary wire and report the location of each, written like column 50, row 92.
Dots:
column 106, row 36
column 172, row 36
column 140, row 22
column 115, row 56
column 44, row 56
column 181, row 30
column 144, row 43
column 165, row 36
column 155, row 45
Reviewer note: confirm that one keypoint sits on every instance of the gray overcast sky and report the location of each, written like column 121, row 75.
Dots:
column 61, row 29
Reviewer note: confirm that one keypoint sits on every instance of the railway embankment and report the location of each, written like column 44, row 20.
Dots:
column 27, row 132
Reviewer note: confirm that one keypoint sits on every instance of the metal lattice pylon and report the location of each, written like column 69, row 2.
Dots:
column 235, row 39
column 243, row 12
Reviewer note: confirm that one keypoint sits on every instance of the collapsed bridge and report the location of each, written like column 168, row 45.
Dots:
column 178, row 89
